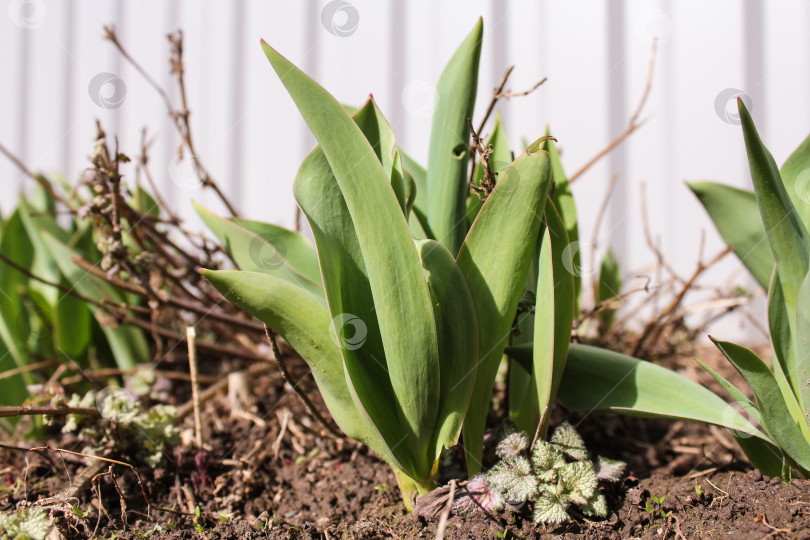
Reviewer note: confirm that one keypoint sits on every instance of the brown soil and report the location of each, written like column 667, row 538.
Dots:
column 274, row 472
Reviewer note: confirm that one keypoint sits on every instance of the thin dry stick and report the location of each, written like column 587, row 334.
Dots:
column 634, row 123
column 701, row 267
column 446, row 512
column 494, row 100
column 488, row 181
column 288, row 378
column 191, row 335
column 25, row 369
column 180, row 118
column 499, row 93
column 6, row 412
column 106, row 460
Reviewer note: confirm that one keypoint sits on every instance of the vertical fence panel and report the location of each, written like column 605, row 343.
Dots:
column 61, row 77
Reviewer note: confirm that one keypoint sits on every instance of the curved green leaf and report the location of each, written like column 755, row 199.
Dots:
column 303, row 321
column 400, row 294
column 563, row 199
column 597, row 379
column 457, row 329
column 351, row 308
column 783, row 428
column 736, row 216
column 789, row 239
column 16, row 246
column 254, row 252
column 296, row 248
column 495, row 259
column 554, row 314
column 449, row 153
column 787, row 371
column 610, row 285
column 795, row 174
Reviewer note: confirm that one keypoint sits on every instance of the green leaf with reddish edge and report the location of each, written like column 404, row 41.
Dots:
column 499, row 161
column 789, row 239
column 449, row 153
column 554, row 314
column 127, row 343
column 795, row 174
column 254, row 252
column 400, row 295
column 495, row 259
column 304, row 322
column 610, row 285
column 736, row 216
column 296, row 248
column 597, row 379
column 457, row 329
column 563, row 199
column 777, row 420
column 349, row 297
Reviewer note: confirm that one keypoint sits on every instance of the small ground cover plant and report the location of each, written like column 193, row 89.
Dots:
column 552, row 476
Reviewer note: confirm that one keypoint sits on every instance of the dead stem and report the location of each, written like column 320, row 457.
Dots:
column 301, row 394
column 104, row 459
column 180, row 118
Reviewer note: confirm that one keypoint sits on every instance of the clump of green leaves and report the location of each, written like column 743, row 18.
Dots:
column 24, row 524
column 404, row 306
column 776, row 250
column 553, row 476
column 145, row 434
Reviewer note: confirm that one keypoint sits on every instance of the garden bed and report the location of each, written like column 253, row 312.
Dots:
column 252, row 480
